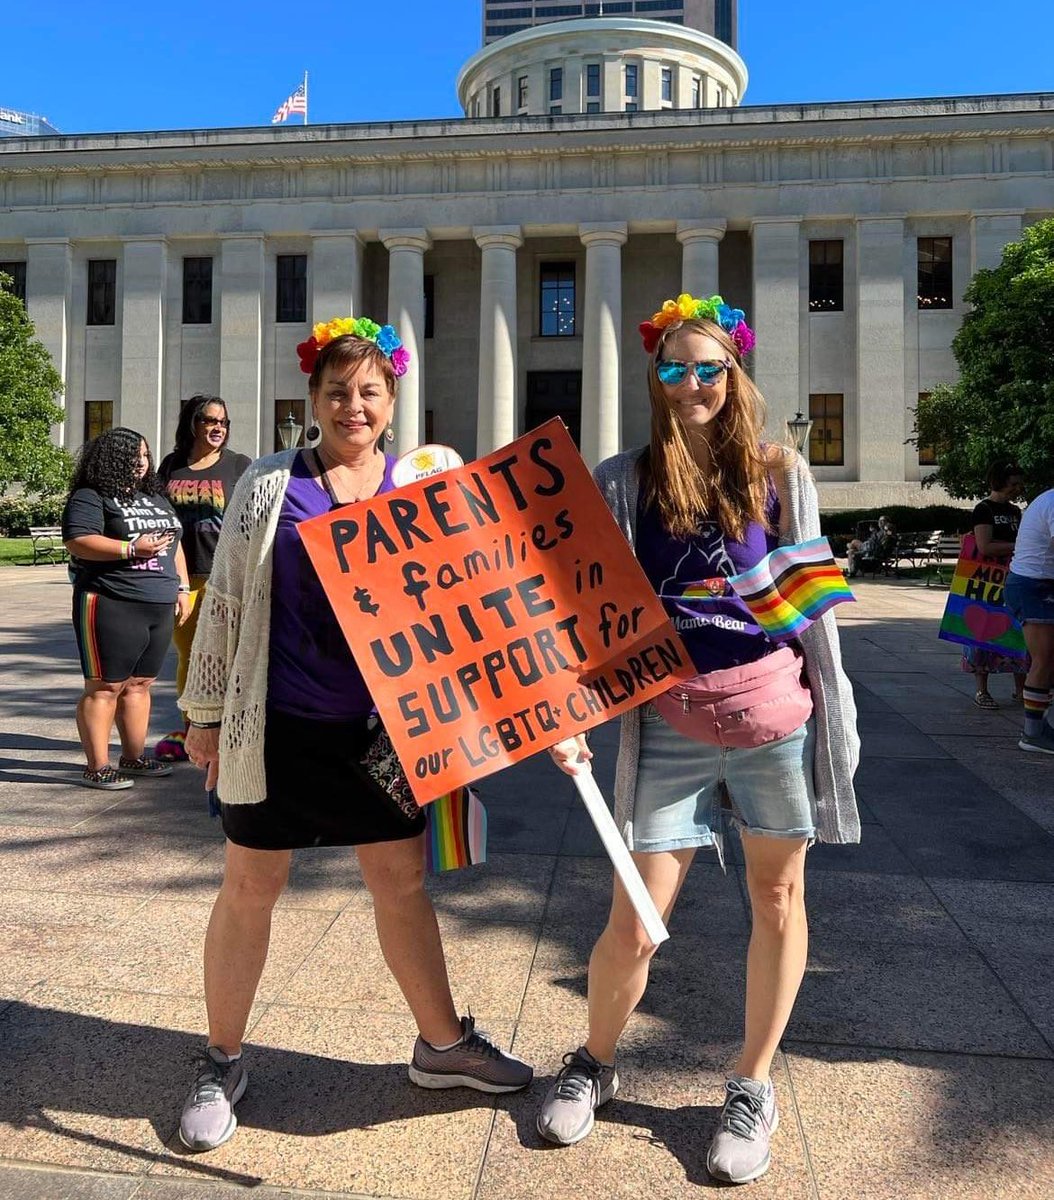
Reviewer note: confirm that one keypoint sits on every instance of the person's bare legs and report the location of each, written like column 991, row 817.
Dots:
column 1039, row 638
column 621, row 958
column 96, row 711
column 981, row 687
column 237, row 939
column 133, row 715
column 779, row 944
column 408, row 933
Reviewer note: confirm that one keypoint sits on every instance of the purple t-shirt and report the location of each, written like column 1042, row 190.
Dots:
column 689, row 574
column 312, row 672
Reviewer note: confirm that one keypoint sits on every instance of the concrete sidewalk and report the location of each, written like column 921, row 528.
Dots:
column 919, row 1062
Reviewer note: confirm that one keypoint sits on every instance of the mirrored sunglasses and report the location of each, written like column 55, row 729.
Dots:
column 673, row 372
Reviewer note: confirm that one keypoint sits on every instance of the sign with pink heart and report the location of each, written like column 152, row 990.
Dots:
column 975, row 614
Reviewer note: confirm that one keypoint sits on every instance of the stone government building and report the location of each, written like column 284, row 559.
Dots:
column 604, row 164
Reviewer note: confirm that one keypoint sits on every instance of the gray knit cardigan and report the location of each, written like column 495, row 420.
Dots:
column 837, row 746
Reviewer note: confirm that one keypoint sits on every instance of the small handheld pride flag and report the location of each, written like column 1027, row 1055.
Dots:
column 457, row 831
column 791, row 588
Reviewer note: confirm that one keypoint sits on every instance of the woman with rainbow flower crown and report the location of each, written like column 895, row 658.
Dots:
column 705, row 500
column 285, row 728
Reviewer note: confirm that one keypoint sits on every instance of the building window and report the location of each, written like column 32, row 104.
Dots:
column 935, row 272
column 826, row 279
column 559, row 10
column 555, row 110
column 631, row 80
column 197, row 291
column 285, row 408
column 592, row 106
column 631, row 106
column 556, row 84
column 667, row 83
column 521, row 91
column 593, row 79
column 495, row 102
column 430, row 305
column 557, row 299
column 927, row 453
column 826, row 439
column 697, row 93
column 98, row 418
column 291, row 292
column 102, row 291
column 17, row 271
column 723, row 21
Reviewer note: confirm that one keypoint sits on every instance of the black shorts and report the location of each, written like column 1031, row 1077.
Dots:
column 121, row 639
column 318, row 791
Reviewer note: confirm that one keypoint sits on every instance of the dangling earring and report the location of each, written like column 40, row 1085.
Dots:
column 389, row 434
column 311, row 433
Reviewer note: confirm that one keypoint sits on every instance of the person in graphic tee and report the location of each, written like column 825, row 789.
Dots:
column 994, row 523
column 1029, row 596
column 198, row 478
column 707, row 499
column 130, row 586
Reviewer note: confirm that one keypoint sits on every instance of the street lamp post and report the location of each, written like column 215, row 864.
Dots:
column 799, row 427
column 289, row 431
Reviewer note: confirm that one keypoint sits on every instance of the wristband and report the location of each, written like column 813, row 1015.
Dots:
column 184, row 588
column 126, row 550
column 204, row 724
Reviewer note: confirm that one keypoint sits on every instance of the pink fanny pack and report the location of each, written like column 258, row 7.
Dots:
column 740, row 707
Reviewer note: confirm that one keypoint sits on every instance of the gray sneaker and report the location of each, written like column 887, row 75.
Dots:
column 739, row 1152
column 1042, row 743
column 208, row 1116
column 582, row 1086
column 474, row 1062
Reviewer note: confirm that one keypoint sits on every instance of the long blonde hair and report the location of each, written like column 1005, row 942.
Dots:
column 732, row 488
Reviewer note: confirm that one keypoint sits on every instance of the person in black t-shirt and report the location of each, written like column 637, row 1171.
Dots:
column 198, row 478
column 994, row 525
column 129, row 587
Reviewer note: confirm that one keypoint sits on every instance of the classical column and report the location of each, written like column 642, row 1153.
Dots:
column 49, row 299
column 989, row 233
column 336, row 276
column 496, row 404
column 144, row 279
column 777, row 317
column 700, row 240
column 602, row 340
column 406, row 311
column 241, row 336
column 881, row 402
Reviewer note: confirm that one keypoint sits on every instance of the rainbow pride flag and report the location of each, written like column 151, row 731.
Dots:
column 457, row 831
column 792, row 587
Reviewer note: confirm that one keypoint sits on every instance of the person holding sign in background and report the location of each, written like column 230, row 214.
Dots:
column 281, row 720
column 1029, row 596
column 704, row 501
column 129, row 586
column 198, row 477
column 994, row 522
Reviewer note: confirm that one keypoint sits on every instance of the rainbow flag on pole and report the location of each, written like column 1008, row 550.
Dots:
column 792, row 587
column 457, row 831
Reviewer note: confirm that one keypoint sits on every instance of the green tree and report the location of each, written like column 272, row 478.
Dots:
column 29, row 386
column 1003, row 405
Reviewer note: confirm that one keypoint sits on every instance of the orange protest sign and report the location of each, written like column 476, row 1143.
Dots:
column 493, row 610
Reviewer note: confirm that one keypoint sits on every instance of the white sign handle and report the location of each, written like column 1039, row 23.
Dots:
column 620, row 857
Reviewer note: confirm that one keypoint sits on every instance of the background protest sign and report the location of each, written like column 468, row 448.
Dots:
column 975, row 614
column 494, row 610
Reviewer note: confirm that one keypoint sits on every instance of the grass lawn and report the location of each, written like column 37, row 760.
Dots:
column 16, row 552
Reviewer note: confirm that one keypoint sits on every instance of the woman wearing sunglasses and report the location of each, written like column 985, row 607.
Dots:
column 198, row 477
column 707, row 499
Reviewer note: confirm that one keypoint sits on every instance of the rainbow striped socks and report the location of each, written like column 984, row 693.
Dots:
column 1037, row 701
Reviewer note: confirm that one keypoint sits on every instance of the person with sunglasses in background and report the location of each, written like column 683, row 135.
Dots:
column 198, row 478
column 705, row 500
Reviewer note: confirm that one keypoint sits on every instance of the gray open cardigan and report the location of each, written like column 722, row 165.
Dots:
column 837, row 744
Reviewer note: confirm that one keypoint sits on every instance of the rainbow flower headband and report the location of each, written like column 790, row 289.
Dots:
column 384, row 338
column 691, row 308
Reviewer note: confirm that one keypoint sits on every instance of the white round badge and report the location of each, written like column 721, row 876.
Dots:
column 423, row 462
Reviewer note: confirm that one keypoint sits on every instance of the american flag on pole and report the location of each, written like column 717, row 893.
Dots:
column 297, row 103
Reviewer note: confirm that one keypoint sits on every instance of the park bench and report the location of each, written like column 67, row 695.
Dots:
column 886, row 561
column 941, row 559
column 915, row 549
column 47, row 544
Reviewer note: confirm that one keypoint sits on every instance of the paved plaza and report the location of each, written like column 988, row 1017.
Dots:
column 919, row 1062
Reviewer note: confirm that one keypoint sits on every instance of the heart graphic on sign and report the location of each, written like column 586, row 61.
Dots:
column 986, row 625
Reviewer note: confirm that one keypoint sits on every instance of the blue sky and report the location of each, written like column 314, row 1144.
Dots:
column 120, row 66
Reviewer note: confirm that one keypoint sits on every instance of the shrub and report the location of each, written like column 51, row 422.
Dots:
column 905, row 519
column 17, row 513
